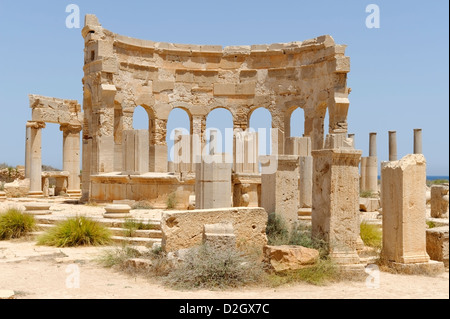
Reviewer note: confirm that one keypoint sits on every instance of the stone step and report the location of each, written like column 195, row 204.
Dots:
column 137, row 240
column 114, row 223
column 141, row 233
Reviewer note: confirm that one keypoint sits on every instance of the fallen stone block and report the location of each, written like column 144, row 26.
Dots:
column 37, row 208
column 138, row 263
column 219, row 235
column 184, row 229
column 117, row 211
column 437, row 244
column 283, row 258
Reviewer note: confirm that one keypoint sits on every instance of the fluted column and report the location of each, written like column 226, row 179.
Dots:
column 71, row 157
column 36, row 158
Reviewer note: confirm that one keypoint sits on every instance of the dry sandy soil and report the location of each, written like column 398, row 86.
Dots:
column 38, row 272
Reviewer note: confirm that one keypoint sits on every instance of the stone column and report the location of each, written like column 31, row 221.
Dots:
column 404, row 214
column 418, row 141
column 27, row 151
column 279, row 188
column 277, row 141
column 335, row 204
column 71, row 157
column 245, row 152
column 392, row 146
column 371, row 168
column 135, row 151
column 36, row 158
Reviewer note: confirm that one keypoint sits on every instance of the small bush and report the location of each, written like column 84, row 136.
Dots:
column 276, row 230
column 436, row 182
column 15, row 224
column 142, row 204
column 2, row 186
column 172, row 201
column 367, row 194
column 430, row 224
column 301, row 236
column 78, row 231
column 322, row 272
column 91, row 203
column 117, row 256
column 131, row 225
column 206, row 267
column 371, row 235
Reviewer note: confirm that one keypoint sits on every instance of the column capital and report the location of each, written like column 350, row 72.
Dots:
column 70, row 128
column 36, row 125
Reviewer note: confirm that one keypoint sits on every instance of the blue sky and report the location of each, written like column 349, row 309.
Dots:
column 399, row 72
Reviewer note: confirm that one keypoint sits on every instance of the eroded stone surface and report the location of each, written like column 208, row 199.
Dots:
column 282, row 258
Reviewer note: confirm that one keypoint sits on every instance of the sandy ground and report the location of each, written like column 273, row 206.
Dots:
column 38, row 272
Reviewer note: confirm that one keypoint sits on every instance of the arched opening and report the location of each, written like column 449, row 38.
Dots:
column 221, row 120
column 261, row 122
column 140, row 119
column 179, row 120
column 297, row 123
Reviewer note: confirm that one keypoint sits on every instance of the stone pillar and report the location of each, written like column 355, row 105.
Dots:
column 182, row 159
column 277, row 141
column 213, row 142
column 86, row 169
column 404, row 213
column 279, row 188
column 369, row 167
column 213, row 183
column 71, row 157
column 306, row 178
column 246, row 152
column 335, row 204
column 158, row 147
column 135, row 151
column 439, row 201
column 27, row 152
column 418, row 141
column 36, row 158
column 392, row 146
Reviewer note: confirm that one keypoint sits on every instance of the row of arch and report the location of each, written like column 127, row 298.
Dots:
column 221, row 118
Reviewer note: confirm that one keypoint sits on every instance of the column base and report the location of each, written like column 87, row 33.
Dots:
column 38, row 194
column 345, row 257
column 431, row 268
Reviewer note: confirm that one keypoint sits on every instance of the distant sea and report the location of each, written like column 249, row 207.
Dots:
column 433, row 177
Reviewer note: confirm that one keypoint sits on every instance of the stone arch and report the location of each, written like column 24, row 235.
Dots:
column 220, row 123
column 264, row 137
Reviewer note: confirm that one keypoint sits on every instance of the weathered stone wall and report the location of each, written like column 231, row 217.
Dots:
column 121, row 73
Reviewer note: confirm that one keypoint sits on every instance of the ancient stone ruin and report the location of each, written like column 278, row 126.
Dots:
column 314, row 176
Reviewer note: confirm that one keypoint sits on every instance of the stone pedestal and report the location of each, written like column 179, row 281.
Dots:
column 135, row 159
column 404, row 214
column 279, row 188
column 37, row 209
column 117, row 211
column 335, row 203
column 213, row 183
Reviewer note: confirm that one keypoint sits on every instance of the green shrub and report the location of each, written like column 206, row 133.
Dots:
column 371, row 235
column 430, row 224
column 301, row 235
column 366, row 194
column 172, row 201
column 15, row 224
column 77, row 231
column 142, row 204
column 206, row 267
column 2, row 186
